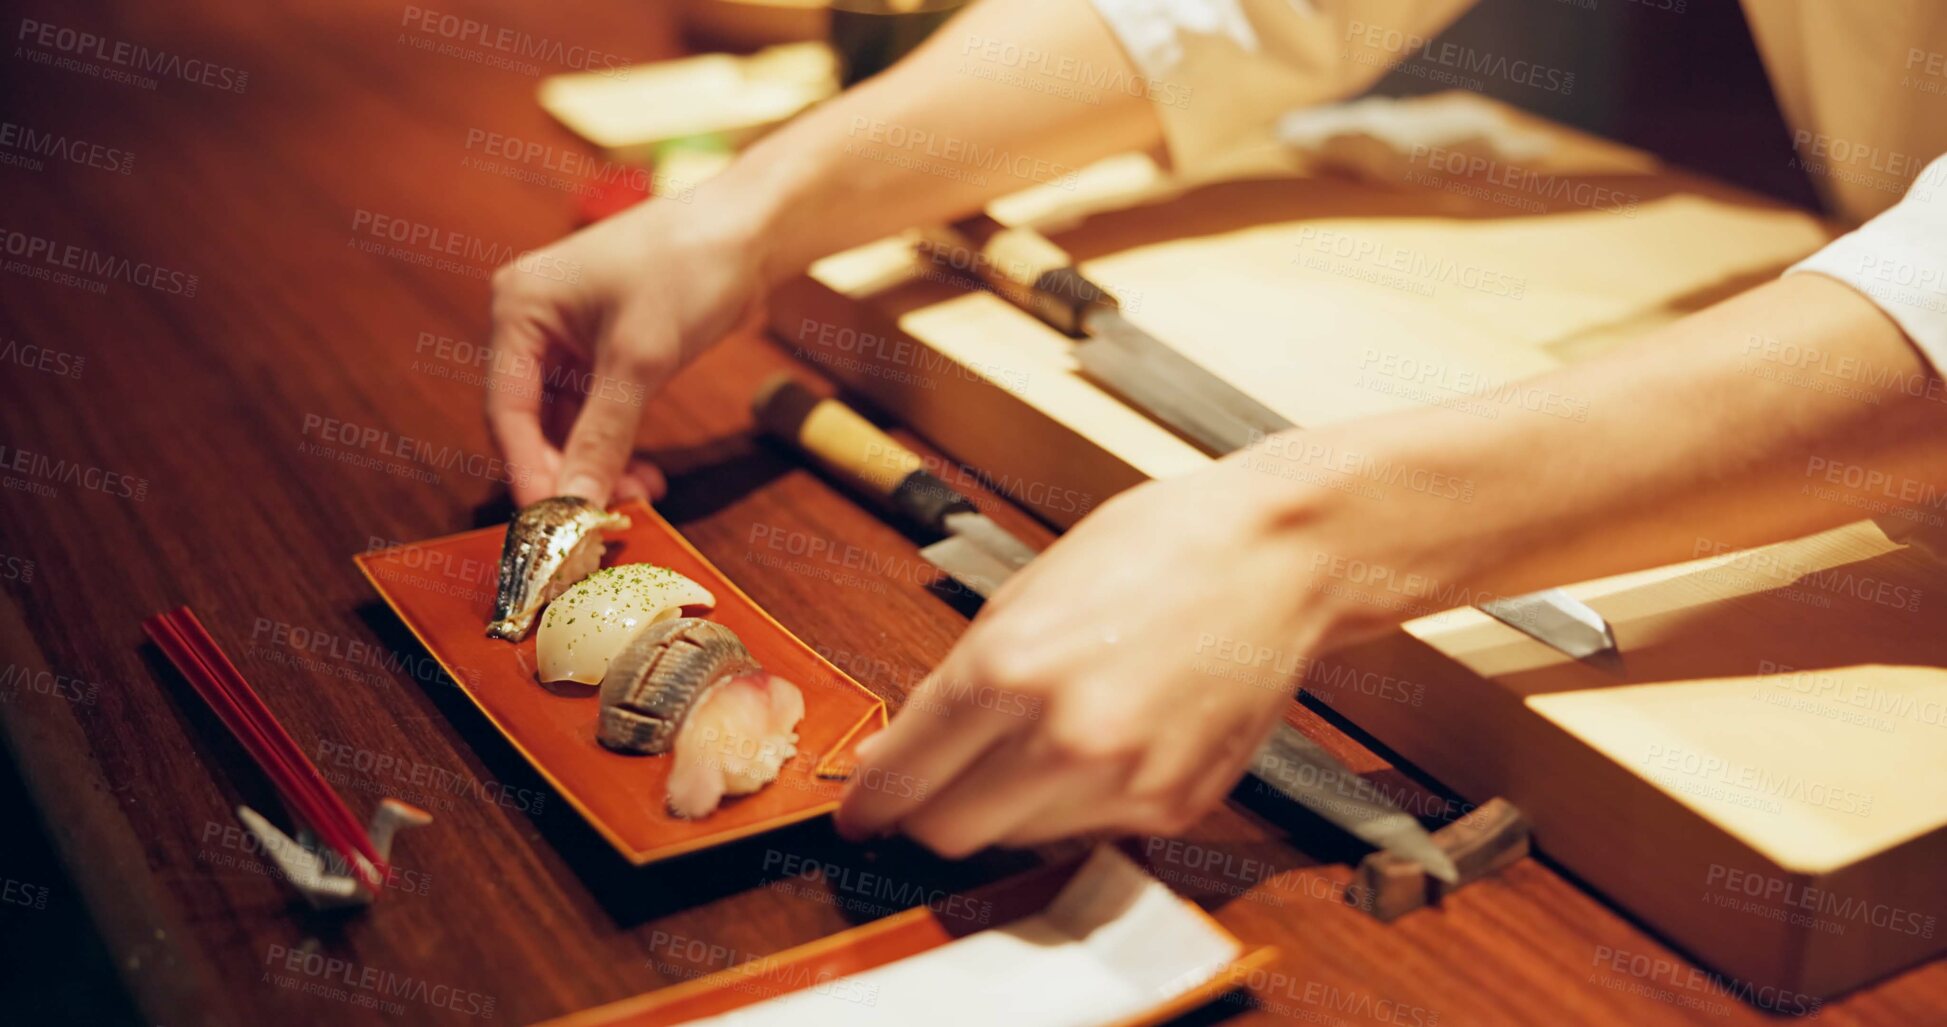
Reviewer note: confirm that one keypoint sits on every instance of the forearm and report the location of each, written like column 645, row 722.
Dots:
column 950, row 127
column 1713, row 433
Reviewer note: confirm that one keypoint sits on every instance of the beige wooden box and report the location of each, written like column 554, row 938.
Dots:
column 1764, row 780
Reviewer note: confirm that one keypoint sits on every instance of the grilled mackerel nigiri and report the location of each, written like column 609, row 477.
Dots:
column 550, row 546
column 689, row 686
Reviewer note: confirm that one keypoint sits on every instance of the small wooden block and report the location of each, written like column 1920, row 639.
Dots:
column 1389, row 886
column 1493, row 836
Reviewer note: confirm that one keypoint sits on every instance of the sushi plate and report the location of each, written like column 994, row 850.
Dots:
column 443, row 590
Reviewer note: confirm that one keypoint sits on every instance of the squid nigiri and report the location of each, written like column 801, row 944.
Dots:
column 589, row 623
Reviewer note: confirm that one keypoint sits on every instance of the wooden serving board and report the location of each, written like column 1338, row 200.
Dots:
column 1768, row 729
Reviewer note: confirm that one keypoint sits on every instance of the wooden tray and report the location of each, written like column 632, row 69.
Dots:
column 443, row 590
column 907, row 933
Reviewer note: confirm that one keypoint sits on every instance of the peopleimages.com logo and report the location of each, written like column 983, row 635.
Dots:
column 40, row 252
column 74, row 44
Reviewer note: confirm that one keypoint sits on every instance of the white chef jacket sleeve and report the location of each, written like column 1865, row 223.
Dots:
column 1899, row 261
column 1221, row 71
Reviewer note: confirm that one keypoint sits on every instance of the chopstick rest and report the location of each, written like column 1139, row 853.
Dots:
column 1485, row 841
column 332, row 862
column 320, row 874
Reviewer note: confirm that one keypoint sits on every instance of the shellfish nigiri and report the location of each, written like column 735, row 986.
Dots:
column 588, row 624
column 550, row 546
column 689, row 687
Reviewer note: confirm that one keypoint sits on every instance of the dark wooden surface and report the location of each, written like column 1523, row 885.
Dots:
column 514, row 907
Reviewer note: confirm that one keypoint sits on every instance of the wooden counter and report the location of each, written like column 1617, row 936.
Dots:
column 209, row 409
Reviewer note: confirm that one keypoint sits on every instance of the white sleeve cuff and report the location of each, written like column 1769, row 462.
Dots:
column 1899, row 261
column 1221, row 72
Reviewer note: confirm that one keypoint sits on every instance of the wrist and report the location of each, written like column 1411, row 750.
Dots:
column 1373, row 539
column 769, row 200
column 719, row 223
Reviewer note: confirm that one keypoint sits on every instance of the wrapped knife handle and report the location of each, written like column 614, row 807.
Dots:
column 852, row 449
column 1020, row 264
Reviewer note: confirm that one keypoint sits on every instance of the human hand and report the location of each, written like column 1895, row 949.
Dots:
column 587, row 329
column 1086, row 696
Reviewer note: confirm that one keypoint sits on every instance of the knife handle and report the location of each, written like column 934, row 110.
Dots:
column 857, row 453
column 1020, row 264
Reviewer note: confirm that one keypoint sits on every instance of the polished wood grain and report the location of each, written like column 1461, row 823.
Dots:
column 227, row 408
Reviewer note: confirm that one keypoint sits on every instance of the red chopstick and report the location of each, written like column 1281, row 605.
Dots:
column 296, row 777
column 189, row 646
column 282, row 744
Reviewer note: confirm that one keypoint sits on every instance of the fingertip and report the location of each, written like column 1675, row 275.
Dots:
column 646, row 477
column 530, row 462
column 585, row 485
column 528, row 486
column 845, row 819
column 628, row 488
column 598, row 449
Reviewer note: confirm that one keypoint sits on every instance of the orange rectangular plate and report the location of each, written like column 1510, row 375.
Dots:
column 909, row 932
column 443, row 590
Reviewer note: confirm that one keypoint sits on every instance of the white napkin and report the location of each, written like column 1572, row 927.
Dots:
column 1114, row 943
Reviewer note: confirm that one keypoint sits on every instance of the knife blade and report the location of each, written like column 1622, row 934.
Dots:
column 1557, row 618
column 1290, row 761
column 982, row 555
column 1172, row 389
column 977, row 553
column 1033, row 273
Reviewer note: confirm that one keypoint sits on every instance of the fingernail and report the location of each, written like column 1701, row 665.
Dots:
column 585, row 486
column 868, row 743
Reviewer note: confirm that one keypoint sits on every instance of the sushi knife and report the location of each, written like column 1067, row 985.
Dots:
column 1033, row 273
column 981, row 554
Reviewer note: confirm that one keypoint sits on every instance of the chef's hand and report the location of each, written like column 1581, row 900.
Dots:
column 587, row 329
column 1097, row 689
